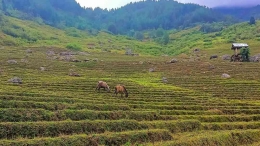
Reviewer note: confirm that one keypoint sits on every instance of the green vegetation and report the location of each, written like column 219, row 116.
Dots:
column 245, row 52
column 195, row 107
column 74, row 47
column 68, row 13
column 56, row 103
column 17, row 32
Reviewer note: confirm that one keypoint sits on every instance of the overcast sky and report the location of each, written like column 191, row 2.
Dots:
column 210, row 3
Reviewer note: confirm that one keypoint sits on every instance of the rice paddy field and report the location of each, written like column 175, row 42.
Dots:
column 193, row 105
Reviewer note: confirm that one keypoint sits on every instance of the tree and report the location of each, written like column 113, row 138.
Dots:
column 131, row 33
column 165, row 38
column 245, row 52
column 1, row 17
column 139, row 35
column 112, row 28
column 159, row 32
column 252, row 21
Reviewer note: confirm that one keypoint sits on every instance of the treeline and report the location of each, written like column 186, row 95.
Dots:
column 137, row 16
column 166, row 14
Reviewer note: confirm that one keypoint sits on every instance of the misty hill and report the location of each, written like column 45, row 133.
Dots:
column 137, row 16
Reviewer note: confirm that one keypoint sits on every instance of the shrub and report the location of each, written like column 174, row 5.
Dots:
column 73, row 32
column 73, row 46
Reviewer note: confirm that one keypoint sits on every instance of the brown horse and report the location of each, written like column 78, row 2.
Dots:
column 121, row 89
column 102, row 84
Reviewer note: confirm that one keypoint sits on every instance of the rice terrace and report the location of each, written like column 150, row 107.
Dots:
column 69, row 86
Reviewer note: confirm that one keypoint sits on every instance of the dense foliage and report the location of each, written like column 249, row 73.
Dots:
column 137, row 16
column 80, row 26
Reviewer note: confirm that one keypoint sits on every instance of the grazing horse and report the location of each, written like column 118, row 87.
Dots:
column 102, row 84
column 121, row 89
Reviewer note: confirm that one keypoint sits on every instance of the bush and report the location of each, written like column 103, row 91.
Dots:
column 73, row 32
column 73, row 46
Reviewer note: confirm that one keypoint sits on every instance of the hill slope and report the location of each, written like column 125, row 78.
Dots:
column 56, row 103
column 154, row 14
column 15, row 32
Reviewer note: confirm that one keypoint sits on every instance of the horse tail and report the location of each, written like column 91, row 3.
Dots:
column 126, row 93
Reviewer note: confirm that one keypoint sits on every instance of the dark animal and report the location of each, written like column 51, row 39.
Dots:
column 213, row 56
column 121, row 89
column 102, row 84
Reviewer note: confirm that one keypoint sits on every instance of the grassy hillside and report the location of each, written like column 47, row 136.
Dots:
column 216, row 42
column 195, row 106
column 15, row 32
column 182, row 103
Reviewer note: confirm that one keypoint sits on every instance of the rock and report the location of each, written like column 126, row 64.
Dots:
column 196, row 50
column 66, row 58
column 24, row 60
column 213, row 56
column 174, row 61
column 95, row 60
column 73, row 73
column 211, row 67
column 128, row 52
column 226, row 57
column 164, row 79
column 75, row 60
column 12, row 61
column 28, row 51
column 42, row 68
column 66, row 53
column 255, row 58
column 151, row 70
column 16, row 80
column 50, row 53
column 86, row 60
column 83, row 53
column 225, row 76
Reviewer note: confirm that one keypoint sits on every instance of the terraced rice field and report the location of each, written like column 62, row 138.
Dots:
column 195, row 107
